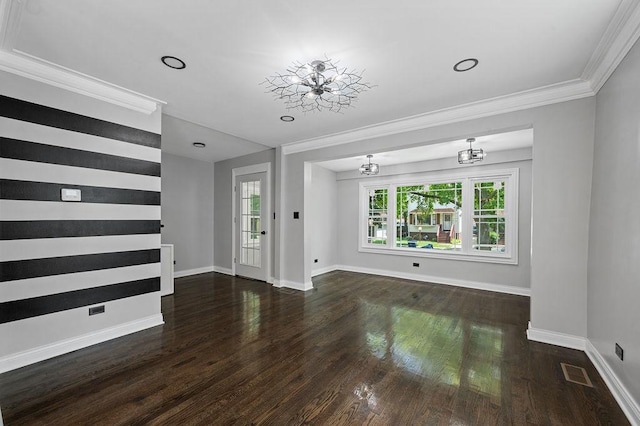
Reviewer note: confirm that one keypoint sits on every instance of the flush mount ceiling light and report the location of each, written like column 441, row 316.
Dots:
column 199, row 144
column 470, row 156
column 369, row 168
column 287, row 118
column 173, row 62
column 465, row 65
column 317, row 86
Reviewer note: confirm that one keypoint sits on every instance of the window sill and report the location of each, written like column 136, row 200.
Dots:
column 442, row 254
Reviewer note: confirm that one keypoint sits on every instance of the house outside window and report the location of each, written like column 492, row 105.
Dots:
column 465, row 217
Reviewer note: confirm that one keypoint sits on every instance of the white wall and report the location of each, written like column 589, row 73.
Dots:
column 561, row 179
column 187, row 211
column 614, row 230
column 508, row 278
column 322, row 218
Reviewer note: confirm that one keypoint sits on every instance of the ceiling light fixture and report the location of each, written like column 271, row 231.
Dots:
column 173, row 62
column 369, row 168
column 317, row 86
column 199, row 144
column 470, row 156
column 287, row 118
column 465, row 65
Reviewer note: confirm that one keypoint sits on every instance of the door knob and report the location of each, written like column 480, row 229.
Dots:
column 264, row 232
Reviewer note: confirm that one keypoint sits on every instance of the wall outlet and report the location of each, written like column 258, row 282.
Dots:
column 619, row 352
column 296, row 215
column 417, row 265
column 95, row 310
column 315, row 260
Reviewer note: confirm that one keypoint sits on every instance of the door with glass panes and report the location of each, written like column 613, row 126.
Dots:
column 250, row 255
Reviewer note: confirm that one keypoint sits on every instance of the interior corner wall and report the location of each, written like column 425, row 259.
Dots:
column 223, row 212
column 187, row 212
column 58, row 258
column 614, row 231
column 561, row 131
column 323, row 219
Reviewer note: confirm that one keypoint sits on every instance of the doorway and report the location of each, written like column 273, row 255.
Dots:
column 251, row 248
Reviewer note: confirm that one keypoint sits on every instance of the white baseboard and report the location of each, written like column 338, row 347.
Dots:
column 325, row 270
column 222, row 270
column 556, row 338
column 294, row 285
column 31, row 356
column 196, row 271
column 518, row 291
column 630, row 407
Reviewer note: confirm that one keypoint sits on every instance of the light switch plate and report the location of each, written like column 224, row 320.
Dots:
column 68, row 194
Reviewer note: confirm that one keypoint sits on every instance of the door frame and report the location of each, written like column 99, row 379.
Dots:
column 266, row 225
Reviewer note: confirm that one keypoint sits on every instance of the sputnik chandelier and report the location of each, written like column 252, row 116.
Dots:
column 317, row 86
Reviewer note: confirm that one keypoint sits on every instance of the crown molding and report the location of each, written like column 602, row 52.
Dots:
column 620, row 36
column 43, row 71
column 546, row 95
column 25, row 65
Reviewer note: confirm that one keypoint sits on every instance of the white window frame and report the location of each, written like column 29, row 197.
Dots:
column 467, row 253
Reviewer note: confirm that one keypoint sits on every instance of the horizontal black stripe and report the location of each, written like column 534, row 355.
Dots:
column 32, row 268
column 42, row 191
column 52, row 117
column 29, row 229
column 41, row 153
column 43, row 305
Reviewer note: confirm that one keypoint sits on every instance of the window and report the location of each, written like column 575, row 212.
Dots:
column 377, row 216
column 471, row 217
column 424, row 215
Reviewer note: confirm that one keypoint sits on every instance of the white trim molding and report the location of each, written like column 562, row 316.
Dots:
column 195, row 271
column 621, row 34
column 28, row 66
column 499, row 288
column 222, row 270
column 546, row 95
column 294, row 285
column 31, row 356
column 556, row 338
column 629, row 406
column 325, row 270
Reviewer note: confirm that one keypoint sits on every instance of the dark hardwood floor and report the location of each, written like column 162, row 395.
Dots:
column 358, row 349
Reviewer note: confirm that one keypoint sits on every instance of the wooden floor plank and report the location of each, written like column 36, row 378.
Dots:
column 356, row 350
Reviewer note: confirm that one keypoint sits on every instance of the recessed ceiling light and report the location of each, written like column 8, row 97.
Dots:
column 287, row 118
column 199, row 144
column 173, row 62
column 465, row 65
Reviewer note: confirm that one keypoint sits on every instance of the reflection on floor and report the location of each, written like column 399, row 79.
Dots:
column 357, row 349
column 415, row 341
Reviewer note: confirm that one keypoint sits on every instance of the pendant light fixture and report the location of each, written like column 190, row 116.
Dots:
column 470, row 156
column 369, row 168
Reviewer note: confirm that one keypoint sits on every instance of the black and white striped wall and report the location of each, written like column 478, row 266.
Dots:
column 59, row 258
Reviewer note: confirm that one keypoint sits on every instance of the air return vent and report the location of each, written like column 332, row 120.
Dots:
column 576, row 374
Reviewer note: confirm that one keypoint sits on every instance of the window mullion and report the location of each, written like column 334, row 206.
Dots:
column 391, row 218
column 467, row 215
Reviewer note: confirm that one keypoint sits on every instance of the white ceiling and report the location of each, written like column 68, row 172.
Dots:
column 408, row 48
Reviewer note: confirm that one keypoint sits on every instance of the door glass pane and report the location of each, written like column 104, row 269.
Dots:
column 250, row 224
